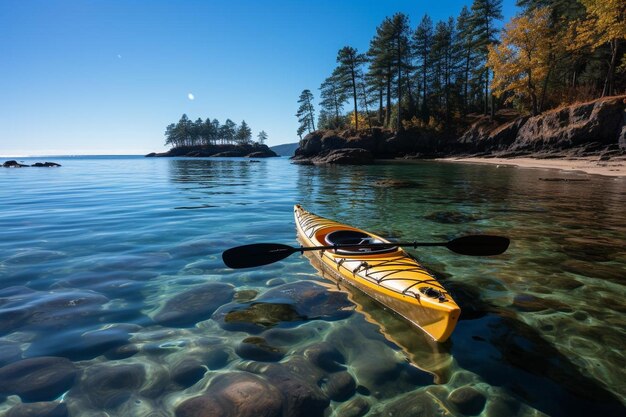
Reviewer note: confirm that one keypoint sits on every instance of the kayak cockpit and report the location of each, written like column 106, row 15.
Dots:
column 359, row 239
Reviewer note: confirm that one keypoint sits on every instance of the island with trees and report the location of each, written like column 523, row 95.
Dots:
column 208, row 137
column 547, row 84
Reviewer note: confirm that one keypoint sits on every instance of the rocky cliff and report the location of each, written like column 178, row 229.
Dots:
column 593, row 128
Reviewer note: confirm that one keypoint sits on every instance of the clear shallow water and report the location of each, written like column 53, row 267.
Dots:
column 95, row 255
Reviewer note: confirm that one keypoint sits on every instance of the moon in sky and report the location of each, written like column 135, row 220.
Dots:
column 190, row 96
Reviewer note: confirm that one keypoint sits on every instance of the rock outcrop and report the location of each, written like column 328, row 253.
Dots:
column 352, row 147
column 246, row 150
column 594, row 128
column 15, row 164
column 581, row 129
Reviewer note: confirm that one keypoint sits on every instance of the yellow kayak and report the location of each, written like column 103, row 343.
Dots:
column 389, row 275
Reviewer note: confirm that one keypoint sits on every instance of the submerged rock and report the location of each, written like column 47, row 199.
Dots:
column 339, row 386
column 411, row 404
column 298, row 301
column 216, row 358
column 297, row 381
column 257, row 349
column 357, row 407
column 384, row 374
column 188, row 371
column 243, row 296
column 108, row 386
column 325, row 356
column 393, row 183
column 236, row 394
column 451, row 217
column 312, row 300
column 78, row 345
column 194, row 305
column 50, row 309
column 9, row 352
column 530, row 303
column 468, row 400
column 40, row 409
column 37, row 379
column 256, row 317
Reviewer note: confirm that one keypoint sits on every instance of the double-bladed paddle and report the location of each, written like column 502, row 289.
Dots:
column 257, row 254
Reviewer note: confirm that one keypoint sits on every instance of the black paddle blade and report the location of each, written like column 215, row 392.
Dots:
column 479, row 245
column 257, row 254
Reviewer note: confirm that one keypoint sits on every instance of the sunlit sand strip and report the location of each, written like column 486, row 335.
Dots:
column 589, row 165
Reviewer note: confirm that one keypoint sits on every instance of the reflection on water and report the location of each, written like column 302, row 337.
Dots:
column 110, row 270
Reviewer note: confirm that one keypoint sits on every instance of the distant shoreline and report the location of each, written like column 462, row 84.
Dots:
column 614, row 167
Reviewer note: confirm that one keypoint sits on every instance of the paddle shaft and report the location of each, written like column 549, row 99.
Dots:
column 366, row 245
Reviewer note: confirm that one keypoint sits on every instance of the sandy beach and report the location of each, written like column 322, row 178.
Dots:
column 614, row 167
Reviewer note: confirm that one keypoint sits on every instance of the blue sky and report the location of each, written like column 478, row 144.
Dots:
column 107, row 76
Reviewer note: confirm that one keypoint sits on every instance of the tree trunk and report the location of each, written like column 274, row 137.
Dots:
column 336, row 111
column 486, row 110
column 311, row 114
column 544, row 87
column 412, row 104
column 380, row 105
column 609, row 84
column 399, row 121
column 424, row 102
column 388, row 109
column 466, row 81
column 356, row 112
column 367, row 113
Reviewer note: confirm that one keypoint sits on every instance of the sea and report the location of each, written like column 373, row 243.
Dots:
column 114, row 300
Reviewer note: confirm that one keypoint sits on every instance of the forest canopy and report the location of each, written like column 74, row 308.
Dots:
column 432, row 74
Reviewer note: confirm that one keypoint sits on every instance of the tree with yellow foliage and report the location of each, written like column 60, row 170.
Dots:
column 520, row 63
column 355, row 122
column 604, row 24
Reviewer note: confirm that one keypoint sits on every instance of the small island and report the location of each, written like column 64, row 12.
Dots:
column 209, row 138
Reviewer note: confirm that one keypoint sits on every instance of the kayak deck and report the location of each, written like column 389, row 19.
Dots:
column 390, row 276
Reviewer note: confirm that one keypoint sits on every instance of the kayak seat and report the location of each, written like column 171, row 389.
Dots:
column 356, row 238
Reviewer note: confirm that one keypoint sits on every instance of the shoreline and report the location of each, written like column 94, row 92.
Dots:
column 589, row 165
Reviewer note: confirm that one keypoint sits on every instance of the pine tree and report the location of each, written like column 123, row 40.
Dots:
column 444, row 58
column 227, row 131
column 401, row 51
column 333, row 95
column 422, row 43
column 380, row 71
column 484, row 13
column 183, row 131
column 209, row 133
column 244, row 133
column 170, row 135
column 305, row 112
column 301, row 130
column 348, row 72
column 262, row 137
column 465, row 44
